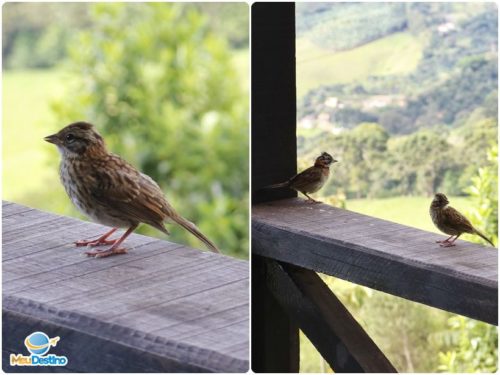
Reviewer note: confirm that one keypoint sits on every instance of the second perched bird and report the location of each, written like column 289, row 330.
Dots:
column 450, row 221
column 310, row 180
column 110, row 191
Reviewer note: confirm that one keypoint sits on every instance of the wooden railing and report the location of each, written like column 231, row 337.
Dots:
column 293, row 239
column 162, row 307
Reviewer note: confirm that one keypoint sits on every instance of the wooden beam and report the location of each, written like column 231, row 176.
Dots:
column 382, row 255
column 162, row 307
column 275, row 336
column 339, row 338
column 274, row 108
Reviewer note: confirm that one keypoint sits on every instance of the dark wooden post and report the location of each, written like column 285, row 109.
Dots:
column 274, row 108
column 275, row 340
column 275, row 336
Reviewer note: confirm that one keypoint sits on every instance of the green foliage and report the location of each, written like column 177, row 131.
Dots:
column 161, row 88
column 35, row 35
column 484, row 193
column 399, row 327
column 451, row 102
column 436, row 78
column 339, row 26
column 374, row 164
column 469, row 346
column 419, row 161
column 395, row 54
column 235, row 26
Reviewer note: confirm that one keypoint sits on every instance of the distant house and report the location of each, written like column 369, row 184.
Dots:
column 446, row 27
column 332, row 102
column 381, row 101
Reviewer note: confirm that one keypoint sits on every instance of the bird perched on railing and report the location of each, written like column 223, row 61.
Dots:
column 450, row 221
column 310, row 180
column 110, row 191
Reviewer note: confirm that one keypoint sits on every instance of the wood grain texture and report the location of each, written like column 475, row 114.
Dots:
column 339, row 338
column 382, row 255
column 162, row 307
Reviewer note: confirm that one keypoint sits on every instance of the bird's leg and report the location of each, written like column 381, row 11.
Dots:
column 443, row 241
column 310, row 199
column 113, row 250
column 449, row 243
column 101, row 241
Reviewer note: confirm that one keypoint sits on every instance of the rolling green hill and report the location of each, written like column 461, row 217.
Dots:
column 437, row 69
column 396, row 54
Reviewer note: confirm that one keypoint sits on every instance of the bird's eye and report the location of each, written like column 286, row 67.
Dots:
column 70, row 138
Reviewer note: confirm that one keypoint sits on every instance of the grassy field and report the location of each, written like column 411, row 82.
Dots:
column 411, row 211
column 27, row 118
column 395, row 54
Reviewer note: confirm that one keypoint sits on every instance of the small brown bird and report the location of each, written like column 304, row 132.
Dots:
column 450, row 221
column 110, row 191
column 310, row 180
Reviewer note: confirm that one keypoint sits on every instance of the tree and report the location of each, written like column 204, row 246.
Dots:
column 472, row 346
column 161, row 88
column 484, row 192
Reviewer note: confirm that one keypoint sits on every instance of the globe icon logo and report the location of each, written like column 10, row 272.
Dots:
column 39, row 343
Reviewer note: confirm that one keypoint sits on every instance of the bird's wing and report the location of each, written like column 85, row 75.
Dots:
column 122, row 188
column 305, row 178
column 454, row 219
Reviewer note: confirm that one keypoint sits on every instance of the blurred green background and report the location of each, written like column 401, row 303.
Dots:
column 166, row 84
column 405, row 96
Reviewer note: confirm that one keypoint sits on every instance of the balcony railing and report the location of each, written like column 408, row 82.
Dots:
column 293, row 239
column 162, row 307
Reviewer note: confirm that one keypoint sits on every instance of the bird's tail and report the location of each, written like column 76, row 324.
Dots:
column 483, row 237
column 277, row 186
column 193, row 229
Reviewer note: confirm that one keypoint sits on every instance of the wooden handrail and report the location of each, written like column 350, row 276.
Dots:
column 382, row 255
column 162, row 307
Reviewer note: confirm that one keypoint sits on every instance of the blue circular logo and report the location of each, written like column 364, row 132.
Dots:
column 37, row 343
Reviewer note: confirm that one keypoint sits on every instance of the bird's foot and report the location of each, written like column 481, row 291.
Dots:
column 446, row 244
column 441, row 241
column 106, row 253
column 312, row 201
column 92, row 243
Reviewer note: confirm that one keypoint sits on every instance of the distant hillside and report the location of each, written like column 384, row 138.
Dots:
column 437, row 71
column 395, row 54
column 342, row 26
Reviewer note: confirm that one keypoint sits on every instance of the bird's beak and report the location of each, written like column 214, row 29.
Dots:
column 52, row 139
column 334, row 161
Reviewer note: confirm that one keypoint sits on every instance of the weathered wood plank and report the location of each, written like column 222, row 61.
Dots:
column 400, row 260
column 339, row 338
column 164, row 306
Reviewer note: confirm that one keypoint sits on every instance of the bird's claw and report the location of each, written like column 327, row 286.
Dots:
column 446, row 244
column 93, row 243
column 106, row 253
